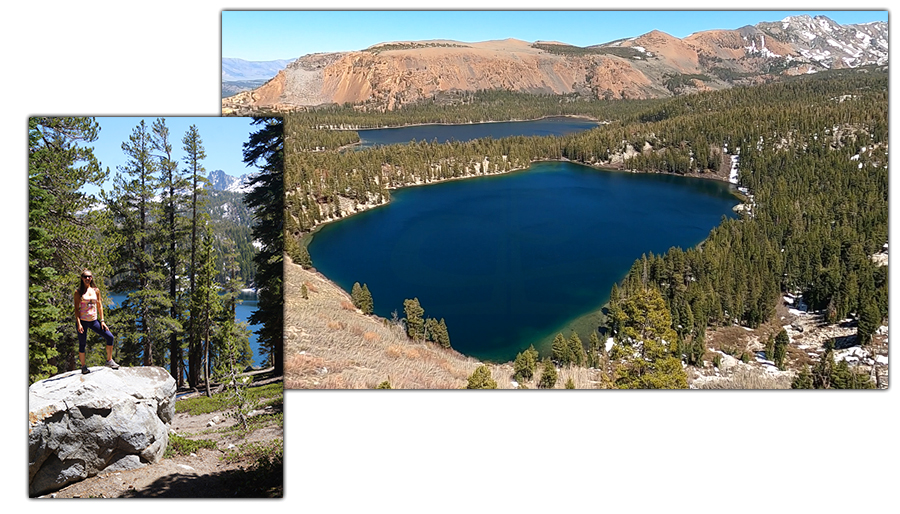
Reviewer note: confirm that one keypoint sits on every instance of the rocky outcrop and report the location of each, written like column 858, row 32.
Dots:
column 655, row 64
column 107, row 420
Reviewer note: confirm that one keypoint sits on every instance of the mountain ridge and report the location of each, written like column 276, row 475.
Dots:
column 655, row 64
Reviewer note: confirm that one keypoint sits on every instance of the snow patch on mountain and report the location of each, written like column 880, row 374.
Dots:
column 221, row 181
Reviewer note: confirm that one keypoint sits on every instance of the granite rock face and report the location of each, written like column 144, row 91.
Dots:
column 108, row 420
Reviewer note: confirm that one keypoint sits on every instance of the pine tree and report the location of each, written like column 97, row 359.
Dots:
column 192, row 145
column 267, row 202
column 576, row 350
column 415, row 325
column 646, row 346
column 367, row 305
column 780, row 350
column 481, row 379
column 172, row 237
column 208, row 302
column 58, row 221
column 355, row 293
column 130, row 207
column 525, row 364
column 803, row 380
column 594, row 357
column 230, row 343
column 561, row 352
column 548, row 375
column 869, row 321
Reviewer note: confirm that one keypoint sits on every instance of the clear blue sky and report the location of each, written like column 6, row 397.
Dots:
column 223, row 140
column 270, row 35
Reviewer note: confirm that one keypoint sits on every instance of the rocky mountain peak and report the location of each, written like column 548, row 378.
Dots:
column 655, row 64
column 221, row 181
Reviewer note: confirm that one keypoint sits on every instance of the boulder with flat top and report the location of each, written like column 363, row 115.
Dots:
column 107, row 420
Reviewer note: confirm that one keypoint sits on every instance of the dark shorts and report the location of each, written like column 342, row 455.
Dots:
column 95, row 326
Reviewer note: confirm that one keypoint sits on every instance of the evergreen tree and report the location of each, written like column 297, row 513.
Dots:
column 415, row 325
column 192, row 145
column 267, row 202
column 780, row 349
column 60, row 228
column 137, row 267
column 481, row 379
column 172, row 237
column 300, row 255
column 646, row 345
column 821, row 377
column 869, row 321
column 561, row 352
column 770, row 348
column 230, row 343
column 576, row 350
column 843, row 377
column 207, row 299
column 548, row 375
column 594, row 356
column 525, row 364
column 366, row 304
column 803, row 380
column 355, row 293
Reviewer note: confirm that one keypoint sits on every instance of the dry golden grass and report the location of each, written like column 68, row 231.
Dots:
column 331, row 346
column 357, row 351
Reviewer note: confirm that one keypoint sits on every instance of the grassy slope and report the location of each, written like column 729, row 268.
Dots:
column 331, row 345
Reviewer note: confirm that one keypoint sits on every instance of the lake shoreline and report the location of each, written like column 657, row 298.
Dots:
column 306, row 237
column 439, row 124
column 583, row 324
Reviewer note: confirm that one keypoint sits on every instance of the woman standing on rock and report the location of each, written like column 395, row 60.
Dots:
column 89, row 314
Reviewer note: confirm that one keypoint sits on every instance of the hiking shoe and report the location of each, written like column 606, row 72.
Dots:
column 112, row 364
column 84, row 370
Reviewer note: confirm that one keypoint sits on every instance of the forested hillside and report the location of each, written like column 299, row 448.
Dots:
column 812, row 152
column 176, row 250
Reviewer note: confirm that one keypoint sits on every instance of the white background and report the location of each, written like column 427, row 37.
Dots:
column 428, row 451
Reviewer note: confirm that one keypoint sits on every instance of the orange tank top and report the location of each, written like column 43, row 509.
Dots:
column 87, row 309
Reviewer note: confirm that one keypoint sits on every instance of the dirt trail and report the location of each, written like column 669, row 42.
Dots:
column 203, row 474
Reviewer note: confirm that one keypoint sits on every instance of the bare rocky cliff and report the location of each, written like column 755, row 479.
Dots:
column 655, row 64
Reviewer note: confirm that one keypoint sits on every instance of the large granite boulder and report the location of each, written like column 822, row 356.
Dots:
column 107, row 420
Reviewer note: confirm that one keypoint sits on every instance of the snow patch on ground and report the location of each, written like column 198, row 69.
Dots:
column 733, row 174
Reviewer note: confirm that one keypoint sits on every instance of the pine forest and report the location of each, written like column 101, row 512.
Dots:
column 154, row 235
column 811, row 155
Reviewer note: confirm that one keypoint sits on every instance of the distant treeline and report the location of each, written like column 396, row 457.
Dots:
column 470, row 107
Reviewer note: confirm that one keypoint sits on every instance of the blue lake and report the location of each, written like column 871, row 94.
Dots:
column 243, row 311
column 557, row 126
column 510, row 260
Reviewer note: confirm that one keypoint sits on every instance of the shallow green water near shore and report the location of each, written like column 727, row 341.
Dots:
column 510, row 260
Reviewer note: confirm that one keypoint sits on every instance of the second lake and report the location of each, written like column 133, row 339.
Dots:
column 554, row 126
column 510, row 260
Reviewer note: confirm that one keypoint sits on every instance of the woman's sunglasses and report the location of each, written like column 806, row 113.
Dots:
column 87, row 276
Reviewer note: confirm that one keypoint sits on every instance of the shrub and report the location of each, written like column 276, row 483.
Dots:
column 183, row 446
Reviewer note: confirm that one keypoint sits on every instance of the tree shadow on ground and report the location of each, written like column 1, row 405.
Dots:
column 238, row 483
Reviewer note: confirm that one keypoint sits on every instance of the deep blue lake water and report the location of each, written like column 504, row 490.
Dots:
column 509, row 260
column 445, row 133
column 243, row 311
